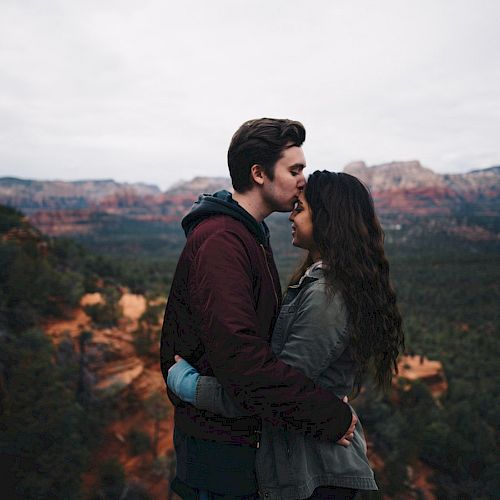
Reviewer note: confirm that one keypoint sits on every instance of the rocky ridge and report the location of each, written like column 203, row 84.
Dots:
column 30, row 195
column 400, row 190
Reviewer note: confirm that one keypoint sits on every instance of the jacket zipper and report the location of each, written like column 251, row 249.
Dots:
column 272, row 279
column 259, row 434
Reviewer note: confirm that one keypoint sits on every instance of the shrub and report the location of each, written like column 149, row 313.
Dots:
column 139, row 442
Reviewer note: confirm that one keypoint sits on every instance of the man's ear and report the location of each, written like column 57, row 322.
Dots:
column 257, row 173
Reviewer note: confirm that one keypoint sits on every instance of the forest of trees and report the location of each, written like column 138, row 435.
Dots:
column 49, row 423
column 450, row 303
column 448, row 291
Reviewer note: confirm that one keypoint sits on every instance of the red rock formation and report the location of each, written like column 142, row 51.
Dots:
column 399, row 188
column 129, row 380
column 429, row 372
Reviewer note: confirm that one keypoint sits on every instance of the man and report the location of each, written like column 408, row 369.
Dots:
column 223, row 303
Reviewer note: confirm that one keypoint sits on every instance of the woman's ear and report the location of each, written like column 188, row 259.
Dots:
column 257, row 173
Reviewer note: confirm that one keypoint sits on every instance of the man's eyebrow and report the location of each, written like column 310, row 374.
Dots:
column 300, row 166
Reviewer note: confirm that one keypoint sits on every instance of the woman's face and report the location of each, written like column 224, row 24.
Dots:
column 302, row 226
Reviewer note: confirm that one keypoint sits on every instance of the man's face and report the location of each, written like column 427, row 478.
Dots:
column 282, row 192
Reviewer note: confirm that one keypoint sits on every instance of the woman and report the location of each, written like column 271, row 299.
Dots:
column 339, row 324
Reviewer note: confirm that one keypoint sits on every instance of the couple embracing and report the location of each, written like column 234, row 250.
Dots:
column 259, row 382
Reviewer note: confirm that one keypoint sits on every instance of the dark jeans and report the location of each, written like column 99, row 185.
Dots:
column 332, row 493
column 321, row 493
column 187, row 492
column 219, row 467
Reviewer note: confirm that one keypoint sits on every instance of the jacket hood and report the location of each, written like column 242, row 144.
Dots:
column 222, row 202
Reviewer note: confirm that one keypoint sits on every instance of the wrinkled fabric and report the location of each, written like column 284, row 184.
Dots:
column 223, row 303
column 311, row 333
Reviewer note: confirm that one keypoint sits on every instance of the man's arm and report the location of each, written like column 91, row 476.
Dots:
column 221, row 281
column 206, row 393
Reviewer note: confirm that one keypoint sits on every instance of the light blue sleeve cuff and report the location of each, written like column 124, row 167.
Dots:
column 182, row 379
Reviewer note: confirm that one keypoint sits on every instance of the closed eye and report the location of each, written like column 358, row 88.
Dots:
column 296, row 169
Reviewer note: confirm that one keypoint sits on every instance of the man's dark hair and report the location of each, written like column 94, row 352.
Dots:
column 262, row 142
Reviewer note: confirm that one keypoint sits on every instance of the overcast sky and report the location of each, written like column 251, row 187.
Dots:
column 152, row 91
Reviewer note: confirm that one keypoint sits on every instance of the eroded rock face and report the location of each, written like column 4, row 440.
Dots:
column 430, row 372
column 116, row 376
column 113, row 373
column 109, row 356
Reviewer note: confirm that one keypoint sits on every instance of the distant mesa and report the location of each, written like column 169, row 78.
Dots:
column 411, row 175
column 407, row 187
column 395, row 175
column 201, row 185
column 401, row 190
column 31, row 195
column 495, row 170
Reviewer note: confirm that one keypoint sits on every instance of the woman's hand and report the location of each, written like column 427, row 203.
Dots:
column 347, row 438
column 182, row 379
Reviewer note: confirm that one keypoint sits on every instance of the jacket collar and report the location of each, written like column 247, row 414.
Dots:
column 313, row 272
column 222, row 202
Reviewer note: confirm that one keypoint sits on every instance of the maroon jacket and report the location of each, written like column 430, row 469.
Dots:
column 223, row 303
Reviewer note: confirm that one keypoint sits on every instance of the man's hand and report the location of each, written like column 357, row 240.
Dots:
column 347, row 438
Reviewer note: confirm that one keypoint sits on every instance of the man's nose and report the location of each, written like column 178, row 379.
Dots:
column 301, row 182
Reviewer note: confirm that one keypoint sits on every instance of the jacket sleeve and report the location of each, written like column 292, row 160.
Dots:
column 211, row 396
column 222, row 295
column 317, row 337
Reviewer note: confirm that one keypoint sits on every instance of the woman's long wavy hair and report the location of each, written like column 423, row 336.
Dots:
column 350, row 240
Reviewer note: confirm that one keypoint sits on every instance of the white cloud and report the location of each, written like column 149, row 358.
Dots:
column 152, row 91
